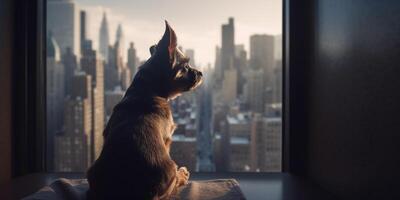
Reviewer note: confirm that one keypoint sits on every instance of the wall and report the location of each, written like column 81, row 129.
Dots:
column 5, row 88
column 353, row 98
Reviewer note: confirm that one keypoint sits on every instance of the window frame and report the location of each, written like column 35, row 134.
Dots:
column 29, row 90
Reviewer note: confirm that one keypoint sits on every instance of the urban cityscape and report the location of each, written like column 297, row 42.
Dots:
column 231, row 123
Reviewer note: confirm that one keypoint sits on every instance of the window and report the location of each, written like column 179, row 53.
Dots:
column 233, row 122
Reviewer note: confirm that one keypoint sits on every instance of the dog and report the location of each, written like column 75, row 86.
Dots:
column 135, row 162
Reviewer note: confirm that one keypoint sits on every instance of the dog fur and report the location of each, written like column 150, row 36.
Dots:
column 135, row 161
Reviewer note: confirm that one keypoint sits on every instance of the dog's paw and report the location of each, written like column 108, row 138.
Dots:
column 183, row 176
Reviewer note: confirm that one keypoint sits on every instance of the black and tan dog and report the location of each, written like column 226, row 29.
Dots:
column 135, row 161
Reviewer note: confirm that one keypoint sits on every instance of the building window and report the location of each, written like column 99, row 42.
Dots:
column 233, row 122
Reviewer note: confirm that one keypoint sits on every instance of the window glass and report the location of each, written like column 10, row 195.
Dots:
column 232, row 122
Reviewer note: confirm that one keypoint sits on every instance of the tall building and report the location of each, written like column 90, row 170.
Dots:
column 183, row 151
column 126, row 78
column 83, row 28
column 204, row 129
column 63, row 23
column 229, row 85
column 72, row 148
column 93, row 66
column 114, row 67
column 70, row 63
column 228, row 45
column 266, row 144
column 55, row 95
column 235, row 143
column 184, row 147
column 132, row 59
column 277, row 83
column 262, row 56
column 228, row 78
column 104, row 39
column 217, row 63
column 120, row 39
column 112, row 97
column 190, row 54
column 241, row 66
column 254, row 95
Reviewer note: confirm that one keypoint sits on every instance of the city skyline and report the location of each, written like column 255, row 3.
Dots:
column 199, row 31
column 231, row 123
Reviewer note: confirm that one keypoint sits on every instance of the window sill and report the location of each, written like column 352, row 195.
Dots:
column 272, row 186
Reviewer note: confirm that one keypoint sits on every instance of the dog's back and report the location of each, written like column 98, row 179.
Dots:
column 133, row 161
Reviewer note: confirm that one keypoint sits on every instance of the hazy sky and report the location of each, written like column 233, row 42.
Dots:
column 196, row 23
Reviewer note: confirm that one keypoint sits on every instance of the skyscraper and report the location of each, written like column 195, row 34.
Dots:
column 93, row 66
column 126, row 78
column 113, row 69
column 112, row 98
column 83, row 30
column 254, row 90
column 262, row 53
column 70, row 63
column 204, row 129
column 104, row 39
column 262, row 56
column 55, row 95
column 229, row 72
column 235, row 143
column 190, row 53
column 277, row 83
column 228, row 45
column 120, row 39
column 63, row 22
column 229, row 85
column 241, row 66
column 72, row 148
column 217, row 64
column 132, row 59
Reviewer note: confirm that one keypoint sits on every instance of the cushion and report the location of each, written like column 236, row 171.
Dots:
column 75, row 189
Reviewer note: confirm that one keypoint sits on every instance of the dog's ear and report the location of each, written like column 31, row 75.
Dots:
column 168, row 43
column 152, row 49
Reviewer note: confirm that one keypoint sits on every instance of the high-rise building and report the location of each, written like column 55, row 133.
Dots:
column 241, row 66
column 104, row 40
column 204, row 129
column 273, row 144
column 63, row 23
column 217, row 64
column 112, row 97
column 183, row 151
column 93, row 66
column 228, row 45
column 184, row 147
column 132, row 59
column 266, row 144
column 254, row 90
column 55, row 95
column 113, row 68
column 126, row 78
column 262, row 56
column 190, row 54
column 235, row 143
column 83, row 29
column 229, row 76
column 70, row 63
column 72, row 148
column 277, row 83
column 229, row 85
column 120, row 39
